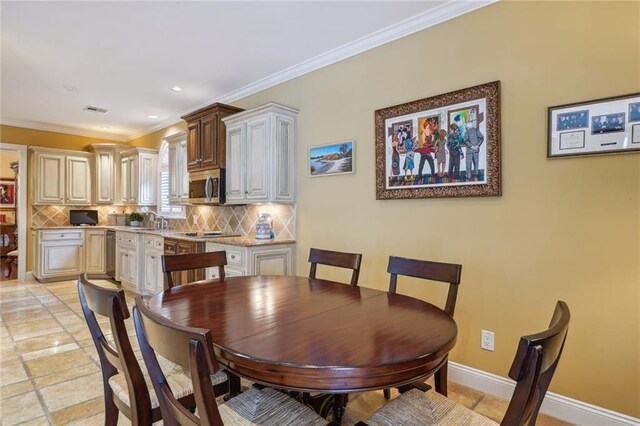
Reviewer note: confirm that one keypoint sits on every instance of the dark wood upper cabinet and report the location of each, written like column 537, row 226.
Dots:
column 206, row 141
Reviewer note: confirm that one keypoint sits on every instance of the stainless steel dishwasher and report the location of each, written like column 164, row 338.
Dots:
column 111, row 254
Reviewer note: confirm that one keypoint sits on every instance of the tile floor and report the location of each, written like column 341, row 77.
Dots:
column 50, row 373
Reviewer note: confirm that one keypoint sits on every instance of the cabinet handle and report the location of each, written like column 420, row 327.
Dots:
column 233, row 256
column 246, row 192
column 61, row 235
column 153, row 257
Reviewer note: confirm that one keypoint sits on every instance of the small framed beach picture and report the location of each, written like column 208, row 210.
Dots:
column 332, row 159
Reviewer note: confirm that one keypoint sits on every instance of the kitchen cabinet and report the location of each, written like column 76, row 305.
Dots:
column 95, row 259
column 153, row 277
column 127, row 256
column 138, row 176
column 176, row 246
column 259, row 260
column 60, row 177
column 206, row 137
column 59, row 253
column 178, row 174
column 261, row 155
column 106, row 173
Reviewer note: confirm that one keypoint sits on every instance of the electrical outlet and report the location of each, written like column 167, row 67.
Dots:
column 194, row 218
column 487, row 341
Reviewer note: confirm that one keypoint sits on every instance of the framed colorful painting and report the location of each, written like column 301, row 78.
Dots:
column 333, row 159
column 602, row 126
column 7, row 193
column 443, row 146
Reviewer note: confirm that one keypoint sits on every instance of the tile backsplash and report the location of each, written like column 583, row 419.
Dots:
column 240, row 220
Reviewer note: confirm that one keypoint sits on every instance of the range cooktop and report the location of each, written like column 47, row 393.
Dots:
column 207, row 234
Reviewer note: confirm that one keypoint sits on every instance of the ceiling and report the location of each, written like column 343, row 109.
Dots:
column 126, row 56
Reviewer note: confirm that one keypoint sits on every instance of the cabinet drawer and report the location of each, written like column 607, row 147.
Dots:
column 212, row 273
column 158, row 244
column 61, row 235
column 235, row 257
column 153, row 242
column 170, row 248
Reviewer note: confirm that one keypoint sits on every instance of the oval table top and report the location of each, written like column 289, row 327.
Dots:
column 314, row 335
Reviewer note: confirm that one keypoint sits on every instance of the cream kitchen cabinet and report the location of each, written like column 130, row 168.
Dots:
column 261, row 155
column 127, row 259
column 138, row 176
column 152, row 266
column 95, row 259
column 178, row 174
column 274, row 259
column 58, row 253
column 60, row 177
column 106, row 173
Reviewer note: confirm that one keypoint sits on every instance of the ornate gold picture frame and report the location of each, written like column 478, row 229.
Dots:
column 442, row 146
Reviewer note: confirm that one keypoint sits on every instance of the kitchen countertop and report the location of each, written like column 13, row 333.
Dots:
column 167, row 233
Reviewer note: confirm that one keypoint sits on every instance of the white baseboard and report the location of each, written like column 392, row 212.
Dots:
column 29, row 276
column 559, row 406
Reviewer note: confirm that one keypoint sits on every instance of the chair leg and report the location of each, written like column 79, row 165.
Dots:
column 111, row 412
column 387, row 393
column 440, row 379
column 234, row 386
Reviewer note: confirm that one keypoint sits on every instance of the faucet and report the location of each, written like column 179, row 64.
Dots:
column 159, row 221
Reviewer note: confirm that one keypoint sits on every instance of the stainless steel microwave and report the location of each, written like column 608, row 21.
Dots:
column 207, row 187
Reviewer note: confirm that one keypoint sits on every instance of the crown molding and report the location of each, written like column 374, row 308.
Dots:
column 62, row 129
column 445, row 12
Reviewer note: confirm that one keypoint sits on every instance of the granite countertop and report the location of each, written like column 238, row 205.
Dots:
column 179, row 235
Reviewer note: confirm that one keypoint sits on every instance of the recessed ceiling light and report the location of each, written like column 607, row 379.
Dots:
column 152, row 116
column 69, row 87
column 105, row 127
column 176, row 89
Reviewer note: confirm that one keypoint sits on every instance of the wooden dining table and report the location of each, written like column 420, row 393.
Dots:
column 314, row 335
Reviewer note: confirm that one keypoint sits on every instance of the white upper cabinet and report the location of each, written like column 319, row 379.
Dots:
column 60, row 177
column 106, row 176
column 138, row 176
column 178, row 175
column 261, row 155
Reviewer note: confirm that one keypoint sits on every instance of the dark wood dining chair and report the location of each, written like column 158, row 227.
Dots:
column 337, row 259
column 533, row 367
column 125, row 388
column 185, row 262
column 434, row 271
column 192, row 348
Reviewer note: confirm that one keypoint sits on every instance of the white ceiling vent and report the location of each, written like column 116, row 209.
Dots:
column 95, row 109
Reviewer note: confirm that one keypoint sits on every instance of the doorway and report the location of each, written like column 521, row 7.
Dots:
column 13, row 211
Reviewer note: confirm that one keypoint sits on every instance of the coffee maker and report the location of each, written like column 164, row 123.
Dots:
column 264, row 227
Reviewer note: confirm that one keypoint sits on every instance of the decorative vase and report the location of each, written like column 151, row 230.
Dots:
column 134, row 223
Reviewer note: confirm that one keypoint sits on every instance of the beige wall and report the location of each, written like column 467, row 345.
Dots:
column 24, row 136
column 564, row 229
column 153, row 140
column 7, row 156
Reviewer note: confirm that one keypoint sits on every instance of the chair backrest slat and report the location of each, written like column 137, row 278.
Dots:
column 435, row 271
column 189, row 347
column 337, row 259
column 185, row 262
column 533, row 367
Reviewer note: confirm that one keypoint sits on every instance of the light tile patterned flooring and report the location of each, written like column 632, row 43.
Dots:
column 50, row 373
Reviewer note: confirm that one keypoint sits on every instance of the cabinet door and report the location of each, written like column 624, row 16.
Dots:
column 257, row 159
column 94, row 252
column 133, row 180
column 132, row 267
column 105, row 178
column 272, row 262
column 236, row 172
column 49, row 185
column 125, row 178
column 183, row 175
column 122, row 264
column 78, row 181
column 151, row 276
column 185, row 247
column 147, row 179
column 61, row 258
column 209, row 150
column 174, row 173
column 283, row 172
column 193, row 145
